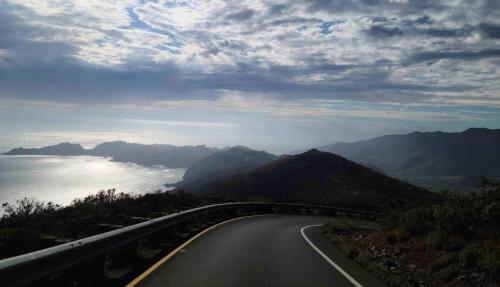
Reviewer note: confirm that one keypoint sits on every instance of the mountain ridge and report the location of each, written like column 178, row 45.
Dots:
column 227, row 162
column 316, row 177
column 416, row 156
column 148, row 155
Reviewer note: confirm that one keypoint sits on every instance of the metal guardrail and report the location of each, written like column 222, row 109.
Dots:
column 29, row 268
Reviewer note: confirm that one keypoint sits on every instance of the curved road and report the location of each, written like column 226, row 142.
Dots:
column 267, row 250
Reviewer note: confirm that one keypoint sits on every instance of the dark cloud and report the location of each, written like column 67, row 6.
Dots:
column 15, row 38
column 424, row 20
column 243, row 15
column 445, row 33
column 294, row 20
column 454, row 55
column 370, row 6
column 79, row 83
column 490, row 30
column 277, row 9
column 379, row 31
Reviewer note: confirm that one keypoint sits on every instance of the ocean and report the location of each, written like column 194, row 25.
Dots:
column 60, row 179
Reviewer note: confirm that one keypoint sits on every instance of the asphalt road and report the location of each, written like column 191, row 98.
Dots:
column 267, row 250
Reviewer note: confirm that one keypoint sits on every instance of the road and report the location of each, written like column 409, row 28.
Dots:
column 267, row 250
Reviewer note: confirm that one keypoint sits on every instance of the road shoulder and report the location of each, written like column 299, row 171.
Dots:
column 363, row 276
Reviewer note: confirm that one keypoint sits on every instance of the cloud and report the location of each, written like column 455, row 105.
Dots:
column 490, row 30
column 382, row 32
column 242, row 15
column 455, row 55
column 445, row 33
column 121, row 52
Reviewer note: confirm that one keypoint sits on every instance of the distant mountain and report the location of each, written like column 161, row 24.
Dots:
column 59, row 149
column 155, row 154
column 418, row 155
column 317, row 177
column 225, row 163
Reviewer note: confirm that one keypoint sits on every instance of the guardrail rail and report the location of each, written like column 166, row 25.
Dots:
column 113, row 257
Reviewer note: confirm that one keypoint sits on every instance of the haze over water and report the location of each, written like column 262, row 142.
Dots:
column 61, row 179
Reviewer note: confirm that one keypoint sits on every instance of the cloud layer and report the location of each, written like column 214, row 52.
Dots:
column 399, row 54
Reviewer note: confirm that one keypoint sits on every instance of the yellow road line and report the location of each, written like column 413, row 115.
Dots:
column 175, row 251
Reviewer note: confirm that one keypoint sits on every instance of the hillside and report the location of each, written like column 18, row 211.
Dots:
column 453, row 242
column 225, row 163
column 317, row 177
column 154, row 154
column 64, row 149
column 418, row 156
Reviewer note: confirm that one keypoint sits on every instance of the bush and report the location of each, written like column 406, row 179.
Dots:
column 391, row 238
column 469, row 256
column 18, row 241
column 490, row 262
column 364, row 260
column 354, row 252
column 449, row 272
column 25, row 222
column 436, row 239
column 443, row 262
column 417, row 221
column 470, row 216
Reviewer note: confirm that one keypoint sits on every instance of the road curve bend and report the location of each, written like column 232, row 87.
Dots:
column 267, row 250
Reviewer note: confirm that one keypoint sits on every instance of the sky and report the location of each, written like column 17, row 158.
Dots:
column 274, row 75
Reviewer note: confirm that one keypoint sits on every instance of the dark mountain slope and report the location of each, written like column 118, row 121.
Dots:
column 223, row 164
column 473, row 152
column 321, row 178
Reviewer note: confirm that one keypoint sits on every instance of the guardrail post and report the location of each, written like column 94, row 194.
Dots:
column 276, row 209
column 90, row 271
column 123, row 256
column 179, row 230
column 194, row 224
column 241, row 211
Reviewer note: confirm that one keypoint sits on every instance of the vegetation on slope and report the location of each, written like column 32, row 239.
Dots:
column 455, row 242
column 30, row 225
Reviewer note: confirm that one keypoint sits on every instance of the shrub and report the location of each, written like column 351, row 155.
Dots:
column 436, row 239
column 449, row 272
column 391, row 238
column 26, row 221
column 364, row 260
column 469, row 256
column 354, row 252
column 443, row 262
column 490, row 262
column 417, row 221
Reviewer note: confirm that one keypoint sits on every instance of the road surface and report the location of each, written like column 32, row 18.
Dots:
column 268, row 250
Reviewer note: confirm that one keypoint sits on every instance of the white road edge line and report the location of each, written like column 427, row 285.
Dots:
column 330, row 261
